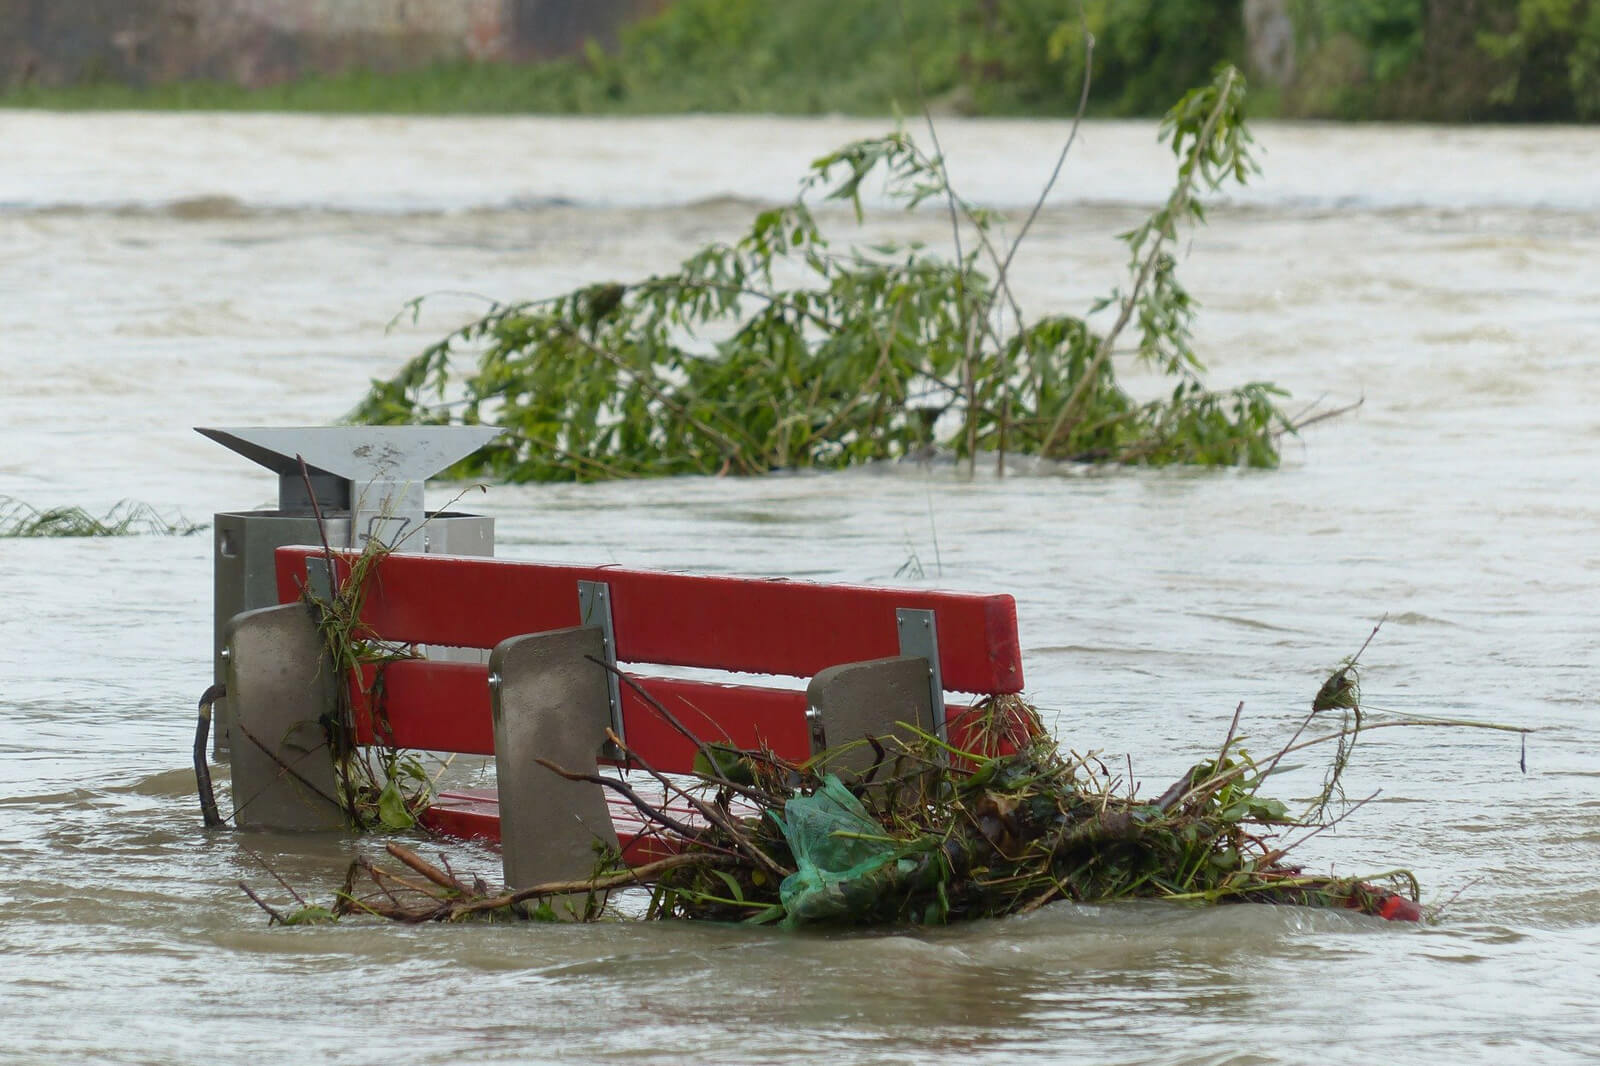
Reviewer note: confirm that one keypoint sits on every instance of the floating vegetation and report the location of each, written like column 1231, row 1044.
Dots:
column 930, row 834
column 783, row 351
column 128, row 518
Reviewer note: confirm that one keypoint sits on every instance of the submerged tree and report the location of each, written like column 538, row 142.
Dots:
column 778, row 351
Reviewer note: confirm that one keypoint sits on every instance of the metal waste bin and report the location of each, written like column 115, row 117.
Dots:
column 365, row 481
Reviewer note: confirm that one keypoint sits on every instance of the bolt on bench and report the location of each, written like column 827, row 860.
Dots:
column 873, row 656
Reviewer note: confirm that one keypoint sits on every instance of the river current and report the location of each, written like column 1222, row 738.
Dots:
column 159, row 272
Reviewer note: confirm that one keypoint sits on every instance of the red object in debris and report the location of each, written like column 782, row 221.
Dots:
column 1392, row 907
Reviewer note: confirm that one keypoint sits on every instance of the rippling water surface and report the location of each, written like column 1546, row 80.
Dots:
column 161, row 272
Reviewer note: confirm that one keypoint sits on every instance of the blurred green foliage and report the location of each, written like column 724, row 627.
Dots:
column 1551, row 59
column 1029, row 54
column 1390, row 30
column 1453, row 60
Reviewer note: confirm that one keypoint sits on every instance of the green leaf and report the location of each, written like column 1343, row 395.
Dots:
column 392, row 809
column 733, row 885
column 312, row 915
column 725, row 764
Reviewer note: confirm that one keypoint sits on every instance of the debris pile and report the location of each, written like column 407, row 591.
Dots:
column 924, row 833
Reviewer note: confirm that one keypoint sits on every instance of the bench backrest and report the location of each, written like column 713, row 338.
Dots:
column 739, row 625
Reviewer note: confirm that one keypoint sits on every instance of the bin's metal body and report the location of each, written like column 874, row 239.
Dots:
column 366, row 483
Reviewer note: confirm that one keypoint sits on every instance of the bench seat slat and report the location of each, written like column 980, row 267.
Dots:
column 740, row 625
column 474, row 814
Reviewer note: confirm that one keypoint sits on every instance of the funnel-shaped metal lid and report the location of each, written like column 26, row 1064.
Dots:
column 359, row 454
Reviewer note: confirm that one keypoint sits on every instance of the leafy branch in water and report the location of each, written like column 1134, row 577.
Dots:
column 779, row 351
column 127, row 519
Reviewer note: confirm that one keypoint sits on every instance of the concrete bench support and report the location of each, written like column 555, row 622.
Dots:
column 280, row 683
column 550, row 701
column 868, row 699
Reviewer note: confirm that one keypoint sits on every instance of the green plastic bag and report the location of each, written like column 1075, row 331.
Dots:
column 844, row 869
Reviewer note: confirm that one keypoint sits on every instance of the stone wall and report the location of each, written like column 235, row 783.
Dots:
column 258, row 42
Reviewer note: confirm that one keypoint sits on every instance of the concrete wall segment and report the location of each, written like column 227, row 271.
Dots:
column 258, row 42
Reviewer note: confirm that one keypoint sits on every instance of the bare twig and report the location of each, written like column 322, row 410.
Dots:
column 410, row 884
column 1437, row 911
column 709, row 812
column 285, row 767
column 645, row 807
column 1347, row 812
column 1233, row 728
column 634, row 875
column 322, row 528
column 704, row 749
column 426, row 868
column 271, row 911
column 1295, row 426
column 933, row 130
column 1061, row 159
column 275, row 876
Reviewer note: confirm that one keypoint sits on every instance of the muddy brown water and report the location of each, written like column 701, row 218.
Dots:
column 163, row 271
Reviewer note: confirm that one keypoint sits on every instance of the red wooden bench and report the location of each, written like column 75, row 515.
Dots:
column 955, row 642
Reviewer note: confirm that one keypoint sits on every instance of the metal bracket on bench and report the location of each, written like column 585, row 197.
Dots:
column 919, row 636
column 319, row 580
column 594, row 609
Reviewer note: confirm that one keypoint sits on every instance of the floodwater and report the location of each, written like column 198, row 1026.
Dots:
column 162, row 272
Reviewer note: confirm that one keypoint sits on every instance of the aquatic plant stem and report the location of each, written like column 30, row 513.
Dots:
column 1234, row 773
column 709, row 812
column 1160, row 236
column 622, row 788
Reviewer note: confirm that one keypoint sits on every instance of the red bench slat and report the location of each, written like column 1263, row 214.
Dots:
column 736, row 624
column 445, row 707
column 437, row 706
column 441, row 706
column 742, row 716
column 475, row 814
